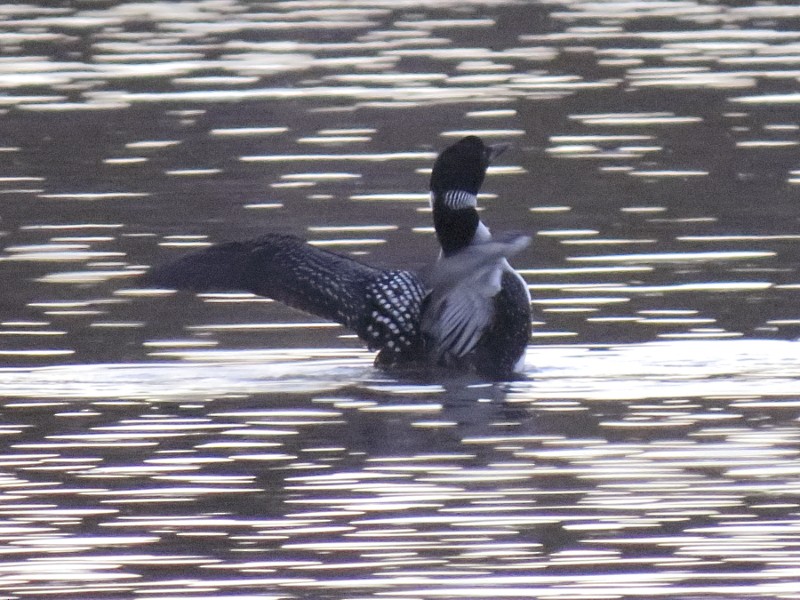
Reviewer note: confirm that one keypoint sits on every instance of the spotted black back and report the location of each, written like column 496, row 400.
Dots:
column 391, row 321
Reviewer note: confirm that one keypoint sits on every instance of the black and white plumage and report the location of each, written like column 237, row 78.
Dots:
column 478, row 309
column 457, row 200
column 472, row 310
column 464, row 287
column 382, row 307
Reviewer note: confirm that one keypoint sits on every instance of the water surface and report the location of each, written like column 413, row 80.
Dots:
column 170, row 446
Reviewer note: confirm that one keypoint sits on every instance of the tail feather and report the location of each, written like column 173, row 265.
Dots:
column 382, row 307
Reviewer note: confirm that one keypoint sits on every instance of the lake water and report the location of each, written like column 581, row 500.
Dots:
column 168, row 446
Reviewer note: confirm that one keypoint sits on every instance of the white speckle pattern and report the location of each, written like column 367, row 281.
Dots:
column 396, row 299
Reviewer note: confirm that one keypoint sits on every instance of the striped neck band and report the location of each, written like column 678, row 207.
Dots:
column 457, row 199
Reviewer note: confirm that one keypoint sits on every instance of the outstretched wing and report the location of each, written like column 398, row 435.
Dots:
column 382, row 307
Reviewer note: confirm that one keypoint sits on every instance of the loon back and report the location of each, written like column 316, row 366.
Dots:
column 388, row 309
column 382, row 306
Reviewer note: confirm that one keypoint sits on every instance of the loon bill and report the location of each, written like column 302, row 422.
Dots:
column 471, row 310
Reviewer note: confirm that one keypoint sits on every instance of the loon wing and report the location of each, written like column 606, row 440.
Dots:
column 382, row 307
column 454, row 319
column 462, row 303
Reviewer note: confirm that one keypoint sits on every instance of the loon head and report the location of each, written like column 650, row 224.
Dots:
column 456, row 178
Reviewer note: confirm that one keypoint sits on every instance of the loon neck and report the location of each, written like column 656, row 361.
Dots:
column 455, row 199
column 455, row 219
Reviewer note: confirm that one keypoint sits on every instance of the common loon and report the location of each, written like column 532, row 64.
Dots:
column 471, row 310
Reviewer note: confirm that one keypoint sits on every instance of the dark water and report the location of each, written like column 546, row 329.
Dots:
column 224, row 446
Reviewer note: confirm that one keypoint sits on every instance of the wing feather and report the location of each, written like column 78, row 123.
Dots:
column 383, row 307
column 461, row 306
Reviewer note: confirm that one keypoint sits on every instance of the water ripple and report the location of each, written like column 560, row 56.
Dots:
column 225, row 446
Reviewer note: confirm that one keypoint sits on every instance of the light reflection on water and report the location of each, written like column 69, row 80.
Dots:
column 224, row 446
column 627, row 470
